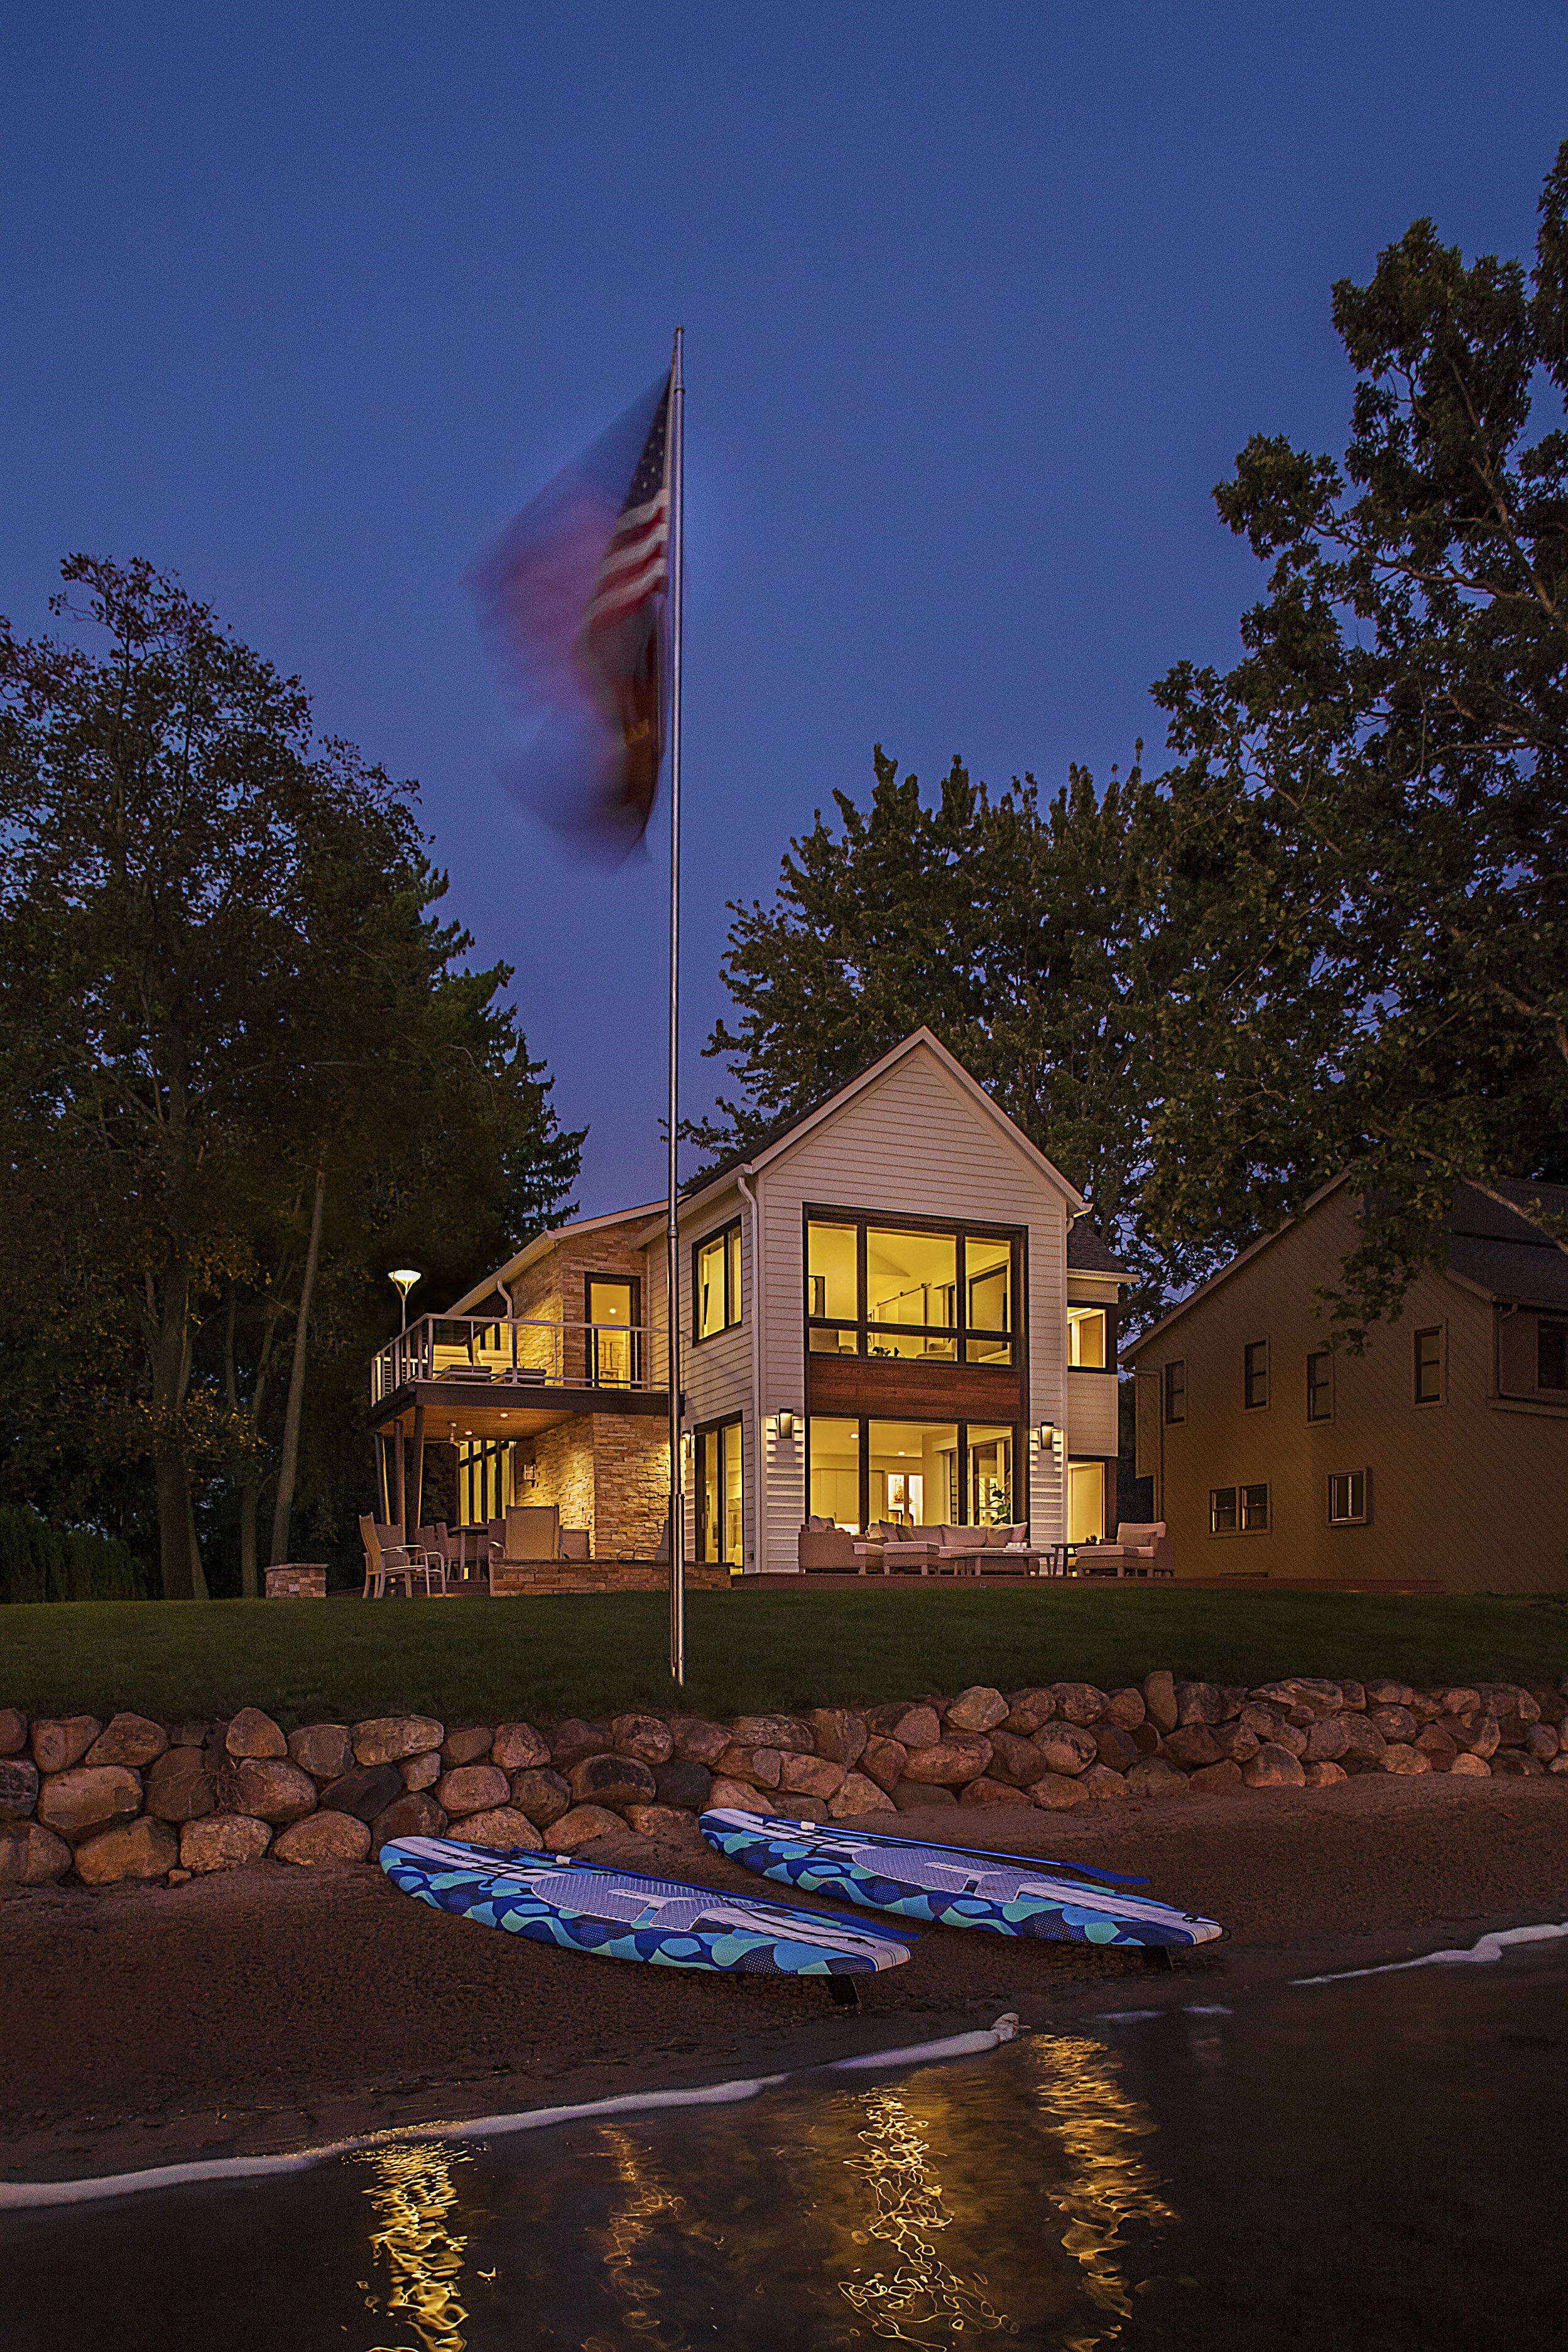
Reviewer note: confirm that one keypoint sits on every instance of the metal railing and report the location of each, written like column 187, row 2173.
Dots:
column 470, row 1351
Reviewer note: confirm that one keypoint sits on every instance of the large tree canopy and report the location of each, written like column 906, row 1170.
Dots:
column 229, row 1019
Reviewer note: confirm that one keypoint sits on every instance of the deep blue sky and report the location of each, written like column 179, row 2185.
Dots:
column 304, row 300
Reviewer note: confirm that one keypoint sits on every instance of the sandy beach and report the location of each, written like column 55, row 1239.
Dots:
column 272, row 2008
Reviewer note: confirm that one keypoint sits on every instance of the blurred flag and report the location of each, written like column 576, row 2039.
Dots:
column 571, row 602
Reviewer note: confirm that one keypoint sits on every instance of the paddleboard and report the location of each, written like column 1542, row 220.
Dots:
column 957, row 1886
column 623, row 1915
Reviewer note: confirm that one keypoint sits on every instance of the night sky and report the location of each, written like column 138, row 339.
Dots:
column 980, row 300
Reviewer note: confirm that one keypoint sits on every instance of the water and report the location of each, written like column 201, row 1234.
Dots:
column 1381, row 2161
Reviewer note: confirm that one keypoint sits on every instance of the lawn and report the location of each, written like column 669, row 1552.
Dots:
column 490, row 1661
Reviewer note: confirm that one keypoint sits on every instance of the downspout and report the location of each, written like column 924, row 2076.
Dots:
column 749, row 1197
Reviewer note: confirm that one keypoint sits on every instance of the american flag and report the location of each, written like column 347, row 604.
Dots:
column 571, row 603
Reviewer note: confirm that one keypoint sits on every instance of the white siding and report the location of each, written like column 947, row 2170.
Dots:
column 1091, row 1422
column 716, row 1373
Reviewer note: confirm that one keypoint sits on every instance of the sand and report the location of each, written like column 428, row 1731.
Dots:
column 271, row 2008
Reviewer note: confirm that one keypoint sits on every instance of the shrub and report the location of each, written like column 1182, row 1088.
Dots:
column 38, row 1562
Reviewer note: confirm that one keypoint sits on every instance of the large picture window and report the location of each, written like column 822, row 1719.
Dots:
column 721, row 1496
column 938, row 1295
column 716, row 1283
column 912, row 1474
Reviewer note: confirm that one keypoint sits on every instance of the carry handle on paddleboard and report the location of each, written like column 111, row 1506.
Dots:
column 972, row 1853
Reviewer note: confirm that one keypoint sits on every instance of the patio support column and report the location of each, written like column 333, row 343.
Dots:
column 418, row 1467
column 400, row 1467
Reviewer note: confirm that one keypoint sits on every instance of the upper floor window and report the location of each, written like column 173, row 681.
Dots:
column 716, row 1281
column 1087, row 1337
column 1255, row 1374
column 1320, row 1385
column 1429, row 1365
column 1173, row 1387
column 937, row 1293
column 1551, row 1353
column 615, row 1342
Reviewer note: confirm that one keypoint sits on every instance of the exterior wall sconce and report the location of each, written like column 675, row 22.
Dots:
column 784, row 1424
column 1048, row 1436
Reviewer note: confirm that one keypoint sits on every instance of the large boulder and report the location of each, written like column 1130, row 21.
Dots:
column 883, row 1761
column 223, row 1842
column 1160, row 1698
column 473, row 1788
column 698, row 1741
column 911, row 1727
column 542, row 1796
column 663, row 1822
column 1028, row 1709
column 1466, row 1767
column 1478, row 1735
column 1068, row 1747
column 919, row 1796
column 31, row 1855
column 1328, row 1740
column 1273, row 1767
column 413, row 1815
column 254, row 1736
column 734, row 1796
column 325, row 1750
column 1155, row 1778
column 13, row 1731
column 1324, row 1775
column 583, row 1825
column 762, row 1768
column 574, row 1739
column 604, row 1781
column 682, row 1788
column 1236, row 1741
column 1054, row 1792
column 1509, row 1698
column 1013, row 1759
column 858, row 1795
column 469, row 1744
column 388, row 1739
column 839, row 1733
column 18, row 1788
column 421, row 1771
column 364, row 1793
column 139, row 1849
column 1102, row 1782
column 993, row 1792
column 1214, row 1780
column 647, row 1737
column 134, row 1739
column 323, row 1839
column 1080, row 1703
column 1303, row 1690
column 1119, row 1751
column 1438, row 1749
column 1126, row 1709
column 502, row 1826
column 810, row 1775
column 1200, row 1703
column 1387, row 1693
column 1404, row 1756
column 949, row 1763
column 179, row 1788
column 272, row 1790
column 1393, row 1722
column 978, row 1708
column 791, row 1733
column 1192, row 1744
column 519, row 1748
column 1365, row 1744
column 60, row 1742
column 88, row 1798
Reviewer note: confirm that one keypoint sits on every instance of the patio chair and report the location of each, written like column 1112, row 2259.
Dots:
column 1142, row 1549
column 824, row 1545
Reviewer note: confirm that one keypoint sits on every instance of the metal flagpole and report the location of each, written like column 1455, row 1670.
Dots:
column 677, row 1479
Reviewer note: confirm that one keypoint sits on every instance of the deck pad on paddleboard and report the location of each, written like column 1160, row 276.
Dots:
column 626, row 1915
column 957, row 1886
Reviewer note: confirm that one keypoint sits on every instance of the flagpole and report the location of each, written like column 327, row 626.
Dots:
column 676, row 551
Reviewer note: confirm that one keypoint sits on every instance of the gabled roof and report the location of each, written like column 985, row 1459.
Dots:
column 1491, row 1250
column 541, row 1242
column 1086, row 1254
column 776, row 1140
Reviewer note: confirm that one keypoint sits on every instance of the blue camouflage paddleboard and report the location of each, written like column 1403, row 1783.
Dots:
column 956, row 1886
column 623, row 1915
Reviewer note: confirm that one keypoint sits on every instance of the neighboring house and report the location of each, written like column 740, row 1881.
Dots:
column 1440, row 1452
column 890, row 1308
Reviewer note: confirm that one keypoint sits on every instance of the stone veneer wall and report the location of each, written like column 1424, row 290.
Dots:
column 564, row 1460
column 631, row 1483
column 139, row 1800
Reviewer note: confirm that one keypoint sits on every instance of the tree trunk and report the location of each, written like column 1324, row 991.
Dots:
column 181, row 1573
column 284, row 1504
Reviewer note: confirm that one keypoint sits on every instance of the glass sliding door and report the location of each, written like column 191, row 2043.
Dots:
column 990, row 1477
column 913, row 1468
column 1086, row 1502
column 721, row 1496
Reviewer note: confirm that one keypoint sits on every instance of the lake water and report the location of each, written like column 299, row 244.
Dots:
column 1377, row 2162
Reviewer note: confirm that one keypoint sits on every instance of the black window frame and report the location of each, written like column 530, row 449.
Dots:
column 960, row 1230
column 1555, row 1327
column 1325, row 1358
column 1438, row 1364
column 1252, row 1373
column 1350, row 1519
column 710, row 1432
column 632, row 1282
column 1107, row 1310
column 734, row 1308
column 1241, row 1508
column 1174, row 1392
column 963, row 1423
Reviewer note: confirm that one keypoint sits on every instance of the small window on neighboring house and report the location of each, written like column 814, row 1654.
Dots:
column 1551, row 1354
column 1429, row 1365
column 1238, row 1510
column 1320, row 1385
column 1347, row 1498
column 1254, row 1375
column 1175, row 1391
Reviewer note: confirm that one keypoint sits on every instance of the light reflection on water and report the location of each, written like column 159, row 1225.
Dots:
column 411, row 2194
column 1097, row 2123
column 920, row 2292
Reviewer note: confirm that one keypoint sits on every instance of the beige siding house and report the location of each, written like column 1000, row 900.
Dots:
column 893, row 1310
column 1442, row 1451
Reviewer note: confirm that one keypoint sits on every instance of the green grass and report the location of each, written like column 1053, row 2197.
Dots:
column 488, row 1660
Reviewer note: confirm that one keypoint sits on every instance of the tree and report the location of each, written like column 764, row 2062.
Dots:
column 221, row 992
column 1401, row 717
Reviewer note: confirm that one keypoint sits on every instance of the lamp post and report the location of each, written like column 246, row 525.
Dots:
column 404, row 1276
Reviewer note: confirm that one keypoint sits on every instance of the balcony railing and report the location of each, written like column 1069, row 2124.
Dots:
column 469, row 1353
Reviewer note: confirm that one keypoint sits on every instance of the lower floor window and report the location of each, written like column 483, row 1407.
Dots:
column 721, row 1513
column 1347, row 1497
column 1086, row 1502
column 485, row 1484
column 911, row 1474
column 1237, row 1510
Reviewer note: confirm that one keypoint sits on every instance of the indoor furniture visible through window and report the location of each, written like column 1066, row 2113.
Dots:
column 1429, row 1365
column 1175, row 1391
column 721, row 1513
column 933, row 1294
column 912, row 1474
column 1254, row 1375
column 716, row 1281
column 1347, row 1498
column 1085, row 1338
column 1320, row 1385
column 1238, row 1510
column 614, row 1341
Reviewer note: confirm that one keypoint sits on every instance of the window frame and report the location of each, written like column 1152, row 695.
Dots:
column 1241, row 1506
column 1250, row 1373
column 1557, row 1326
column 1438, row 1331
column 633, row 1283
column 1106, row 1313
column 1350, row 1519
column 963, row 1423
column 714, row 1432
column 1174, row 1392
column 734, row 1308
column 961, row 1331
column 1324, row 1356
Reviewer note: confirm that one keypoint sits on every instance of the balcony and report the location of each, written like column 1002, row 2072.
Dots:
column 525, row 1371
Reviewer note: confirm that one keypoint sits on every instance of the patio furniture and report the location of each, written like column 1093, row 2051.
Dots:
column 823, row 1544
column 1142, row 1549
column 534, row 1532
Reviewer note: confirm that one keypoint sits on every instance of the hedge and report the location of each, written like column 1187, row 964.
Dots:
column 38, row 1562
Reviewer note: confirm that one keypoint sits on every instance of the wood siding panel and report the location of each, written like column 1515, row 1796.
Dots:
column 716, row 1373
column 1092, row 1424
column 897, row 1391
